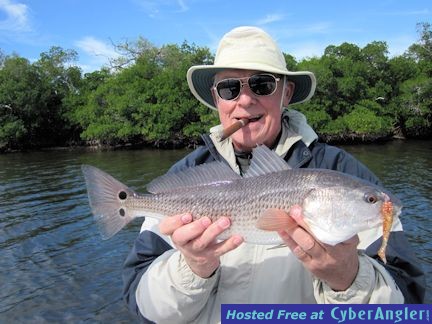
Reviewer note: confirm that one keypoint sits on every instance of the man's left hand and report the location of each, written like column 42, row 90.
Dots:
column 336, row 265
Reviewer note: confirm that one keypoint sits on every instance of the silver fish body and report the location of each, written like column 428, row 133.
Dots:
column 336, row 206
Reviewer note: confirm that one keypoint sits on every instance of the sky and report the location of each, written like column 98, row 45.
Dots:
column 302, row 29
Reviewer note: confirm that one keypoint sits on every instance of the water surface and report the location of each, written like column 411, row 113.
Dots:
column 54, row 267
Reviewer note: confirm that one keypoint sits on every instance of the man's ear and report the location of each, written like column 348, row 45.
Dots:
column 289, row 92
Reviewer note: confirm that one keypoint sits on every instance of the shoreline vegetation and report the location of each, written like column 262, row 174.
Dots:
column 142, row 99
column 346, row 139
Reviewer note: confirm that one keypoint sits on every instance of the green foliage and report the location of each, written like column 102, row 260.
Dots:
column 364, row 121
column 144, row 97
column 31, row 108
column 291, row 62
column 422, row 51
column 335, row 127
column 361, row 90
column 11, row 132
column 316, row 116
column 147, row 101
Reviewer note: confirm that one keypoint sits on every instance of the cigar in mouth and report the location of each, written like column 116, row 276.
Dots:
column 227, row 132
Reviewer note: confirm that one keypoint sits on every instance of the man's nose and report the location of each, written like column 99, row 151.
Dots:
column 246, row 97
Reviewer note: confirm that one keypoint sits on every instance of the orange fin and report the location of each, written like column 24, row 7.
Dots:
column 387, row 214
column 273, row 220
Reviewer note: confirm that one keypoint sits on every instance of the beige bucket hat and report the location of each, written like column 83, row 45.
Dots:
column 248, row 48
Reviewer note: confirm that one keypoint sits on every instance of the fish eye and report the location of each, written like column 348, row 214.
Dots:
column 371, row 198
column 122, row 195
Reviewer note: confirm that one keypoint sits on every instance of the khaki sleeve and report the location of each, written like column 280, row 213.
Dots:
column 169, row 292
column 373, row 285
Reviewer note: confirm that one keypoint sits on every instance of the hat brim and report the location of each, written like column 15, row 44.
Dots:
column 201, row 77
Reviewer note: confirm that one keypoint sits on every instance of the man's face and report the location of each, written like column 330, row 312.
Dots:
column 263, row 112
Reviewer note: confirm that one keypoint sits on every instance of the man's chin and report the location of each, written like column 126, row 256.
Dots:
column 246, row 143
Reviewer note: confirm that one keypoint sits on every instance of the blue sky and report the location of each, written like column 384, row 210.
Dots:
column 302, row 28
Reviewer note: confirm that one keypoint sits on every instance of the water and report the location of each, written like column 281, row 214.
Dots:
column 55, row 268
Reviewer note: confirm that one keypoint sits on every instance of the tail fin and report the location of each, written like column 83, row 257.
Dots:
column 103, row 192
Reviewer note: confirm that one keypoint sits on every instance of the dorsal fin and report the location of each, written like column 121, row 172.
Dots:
column 204, row 174
column 265, row 161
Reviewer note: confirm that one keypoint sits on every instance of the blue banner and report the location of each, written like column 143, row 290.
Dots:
column 341, row 313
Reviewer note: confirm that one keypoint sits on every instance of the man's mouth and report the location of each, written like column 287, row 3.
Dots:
column 252, row 119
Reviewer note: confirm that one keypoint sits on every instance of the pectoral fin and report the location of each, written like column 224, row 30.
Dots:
column 273, row 219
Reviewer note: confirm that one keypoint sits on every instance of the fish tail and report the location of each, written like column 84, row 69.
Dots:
column 107, row 197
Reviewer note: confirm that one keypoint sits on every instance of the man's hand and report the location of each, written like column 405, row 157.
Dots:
column 196, row 240
column 336, row 265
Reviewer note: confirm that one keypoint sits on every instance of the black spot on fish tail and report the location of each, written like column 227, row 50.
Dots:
column 122, row 195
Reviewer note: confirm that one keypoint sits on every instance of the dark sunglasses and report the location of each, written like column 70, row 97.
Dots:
column 260, row 84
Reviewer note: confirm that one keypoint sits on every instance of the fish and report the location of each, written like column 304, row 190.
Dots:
column 336, row 206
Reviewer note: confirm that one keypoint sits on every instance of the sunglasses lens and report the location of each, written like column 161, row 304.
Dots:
column 228, row 89
column 262, row 84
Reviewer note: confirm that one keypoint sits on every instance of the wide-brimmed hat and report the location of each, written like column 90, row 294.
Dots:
column 248, row 48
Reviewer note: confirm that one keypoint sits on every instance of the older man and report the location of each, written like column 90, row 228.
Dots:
column 188, row 283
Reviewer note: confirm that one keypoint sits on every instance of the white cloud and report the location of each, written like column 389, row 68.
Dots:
column 17, row 17
column 98, row 53
column 183, row 6
column 270, row 18
column 95, row 47
column 155, row 8
column 149, row 6
column 89, row 68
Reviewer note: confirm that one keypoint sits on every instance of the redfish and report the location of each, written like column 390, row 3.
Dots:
column 336, row 206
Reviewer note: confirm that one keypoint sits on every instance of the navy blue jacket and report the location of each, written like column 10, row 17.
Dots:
column 402, row 264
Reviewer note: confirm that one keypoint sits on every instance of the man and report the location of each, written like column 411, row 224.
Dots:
column 189, row 282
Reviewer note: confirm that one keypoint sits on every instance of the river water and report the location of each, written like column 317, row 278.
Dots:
column 54, row 267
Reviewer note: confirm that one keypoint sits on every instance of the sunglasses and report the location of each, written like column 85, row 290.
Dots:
column 260, row 84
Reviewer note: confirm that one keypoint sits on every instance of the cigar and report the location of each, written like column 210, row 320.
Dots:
column 227, row 132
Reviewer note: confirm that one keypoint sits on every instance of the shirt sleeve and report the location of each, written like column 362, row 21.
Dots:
column 372, row 285
column 169, row 292
column 147, row 247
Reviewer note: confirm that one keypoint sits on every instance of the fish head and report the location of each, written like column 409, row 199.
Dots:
column 336, row 213
column 376, row 200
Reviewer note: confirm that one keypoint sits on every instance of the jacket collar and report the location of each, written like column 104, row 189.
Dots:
column 295, row 138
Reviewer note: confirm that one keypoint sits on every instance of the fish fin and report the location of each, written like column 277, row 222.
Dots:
column 204, row 174
column 104, row 196
column 273, row 220
column 265, row 161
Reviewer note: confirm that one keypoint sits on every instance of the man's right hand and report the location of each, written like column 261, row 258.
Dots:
column 197, row 241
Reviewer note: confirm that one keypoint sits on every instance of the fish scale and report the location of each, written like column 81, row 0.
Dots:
column 231, row 201
column 335, row 205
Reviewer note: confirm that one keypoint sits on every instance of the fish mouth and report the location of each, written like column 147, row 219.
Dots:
column 251, row 119
column 395, row 201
